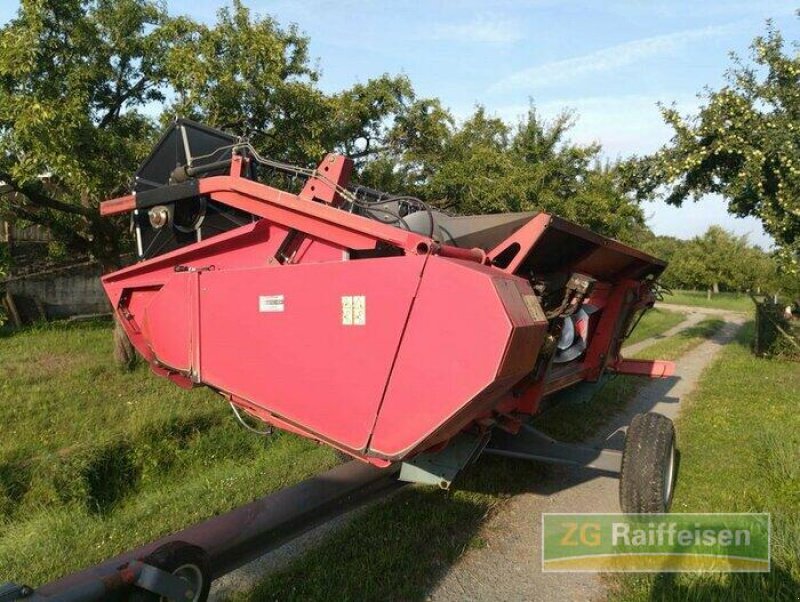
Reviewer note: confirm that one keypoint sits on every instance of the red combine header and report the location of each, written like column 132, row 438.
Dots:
column 370, row 322
column 412, row 340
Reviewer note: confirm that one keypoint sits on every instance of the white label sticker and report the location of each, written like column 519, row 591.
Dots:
column 347, row 311
column 270, row 303
column 354, row 310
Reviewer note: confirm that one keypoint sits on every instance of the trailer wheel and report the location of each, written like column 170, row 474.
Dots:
column 648, row 465
column 188, row 562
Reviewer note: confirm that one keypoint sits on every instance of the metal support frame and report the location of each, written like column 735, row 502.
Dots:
column 166, row 585
column 133, row 575
column 532, row 444
column 441, row 467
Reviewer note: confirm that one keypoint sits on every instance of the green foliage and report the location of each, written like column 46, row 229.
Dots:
column 729, row 301
column 250, row 76
column 743, row 144
column 486, row 166
column 718, row 260
column 80, row 81
column 776, row 335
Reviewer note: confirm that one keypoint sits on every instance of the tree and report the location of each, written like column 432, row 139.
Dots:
column 486, row 166
column 248, row 75
column 72, row 75
column 744, row 144
column 80, row 81
column 85, row 86
column 717, row 260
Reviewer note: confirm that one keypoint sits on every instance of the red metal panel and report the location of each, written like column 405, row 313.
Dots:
column 302, row 362
column 334, row 170
column 446, row 372
column 439, row 340
column 168, row 321
column 522, row 240
column 651, row 368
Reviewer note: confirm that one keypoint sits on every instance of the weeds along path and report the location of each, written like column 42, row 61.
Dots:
column 508, row 566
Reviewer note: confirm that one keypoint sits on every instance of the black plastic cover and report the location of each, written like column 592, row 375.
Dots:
column 193, row 217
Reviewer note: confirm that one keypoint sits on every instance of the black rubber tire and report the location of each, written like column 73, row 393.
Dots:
column 172, row 556
column 648, row 457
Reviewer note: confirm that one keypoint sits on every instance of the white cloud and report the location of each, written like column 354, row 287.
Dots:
column 625, row 124
column 606, row 59
column 483, row 28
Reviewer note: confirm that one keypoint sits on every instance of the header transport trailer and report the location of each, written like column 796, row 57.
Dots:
column 406, row 338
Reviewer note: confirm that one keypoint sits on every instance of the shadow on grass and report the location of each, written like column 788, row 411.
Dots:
column 779, row 585
column 709, row 330
column 399, row 549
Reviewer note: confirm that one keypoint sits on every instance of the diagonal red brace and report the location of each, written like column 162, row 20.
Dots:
column 651, row 368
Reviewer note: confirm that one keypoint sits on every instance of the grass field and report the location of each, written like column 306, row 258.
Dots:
column 675, row 346
column 740, row 452
column 730, row 301
column 94, row 460
column 654, row 323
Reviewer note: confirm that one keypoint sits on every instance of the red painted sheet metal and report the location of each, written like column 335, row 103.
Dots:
column 167, row 321
column 382, row 357
column 450, row 365
column 651, row 368
column 278, row 337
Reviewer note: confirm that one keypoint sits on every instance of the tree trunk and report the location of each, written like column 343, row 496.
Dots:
column 124, row 353
column 105, row 243
column 716, row 287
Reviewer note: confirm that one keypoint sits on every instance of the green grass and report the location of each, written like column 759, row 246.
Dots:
column 740, row 452
column 675, row 346
column 731, row 301
column 94, row 460
column 655, row 322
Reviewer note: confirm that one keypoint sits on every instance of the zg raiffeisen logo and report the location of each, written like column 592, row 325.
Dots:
column 656, row 542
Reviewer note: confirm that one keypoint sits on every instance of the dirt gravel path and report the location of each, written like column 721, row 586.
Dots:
column 508, row 568
column 714, row 311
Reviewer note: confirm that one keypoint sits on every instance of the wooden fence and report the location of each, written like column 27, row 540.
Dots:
column 13, row 233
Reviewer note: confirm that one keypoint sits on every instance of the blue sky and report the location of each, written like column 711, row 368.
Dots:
column 609, row 60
